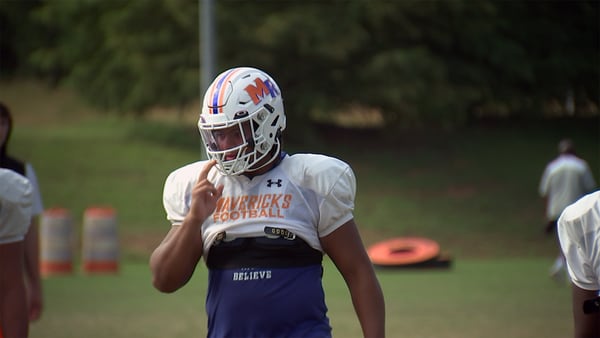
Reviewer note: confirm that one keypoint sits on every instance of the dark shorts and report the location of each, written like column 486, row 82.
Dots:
column 262, row 287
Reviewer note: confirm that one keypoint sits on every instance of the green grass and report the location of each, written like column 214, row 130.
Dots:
column 474, row 191
column 475, row 298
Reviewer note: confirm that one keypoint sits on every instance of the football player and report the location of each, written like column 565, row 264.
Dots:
column 262, row 220
column 15, row 215
column 579, row 234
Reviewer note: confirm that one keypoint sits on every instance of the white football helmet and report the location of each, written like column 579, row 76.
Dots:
column 249, row 100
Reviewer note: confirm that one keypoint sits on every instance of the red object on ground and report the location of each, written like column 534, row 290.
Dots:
column 407, row 252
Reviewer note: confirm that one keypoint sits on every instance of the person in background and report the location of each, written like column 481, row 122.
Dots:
column 32, row 251
column 15, row 218
column 579, row 235
column 564, row 180
column 262, row 220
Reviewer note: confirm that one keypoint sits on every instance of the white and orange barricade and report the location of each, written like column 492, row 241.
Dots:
column 56, row 242
column 100, row 243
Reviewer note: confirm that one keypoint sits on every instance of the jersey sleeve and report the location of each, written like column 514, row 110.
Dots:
column 177, row 195
column 37, row 206
column 579, row 244
column 338, row 185
column 177, row 191
column 15, row 206
column 543, row 187
column 588, row 179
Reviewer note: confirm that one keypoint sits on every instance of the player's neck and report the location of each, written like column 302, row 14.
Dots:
column 273, row 162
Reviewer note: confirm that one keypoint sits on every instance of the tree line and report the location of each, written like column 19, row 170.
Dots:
column 418, row 62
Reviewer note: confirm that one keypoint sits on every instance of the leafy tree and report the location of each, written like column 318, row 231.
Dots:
column 18, row 36
column 123, row 55
column 421, row 63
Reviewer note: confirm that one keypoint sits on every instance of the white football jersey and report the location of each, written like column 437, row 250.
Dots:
column 579, row 234
column 15, row 206
column 307, row 194
column 564, row 181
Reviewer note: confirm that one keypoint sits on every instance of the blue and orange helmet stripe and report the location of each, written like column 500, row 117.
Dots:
column 217, row 91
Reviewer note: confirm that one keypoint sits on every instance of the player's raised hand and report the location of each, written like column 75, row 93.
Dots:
column 204, row 195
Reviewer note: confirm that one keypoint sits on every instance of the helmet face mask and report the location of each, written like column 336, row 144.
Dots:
column 241, row 121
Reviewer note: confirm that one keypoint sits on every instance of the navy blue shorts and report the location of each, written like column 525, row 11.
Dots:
column 261, row 287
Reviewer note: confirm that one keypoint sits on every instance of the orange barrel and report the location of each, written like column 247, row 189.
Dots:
column 100, row 244
column 56, row 242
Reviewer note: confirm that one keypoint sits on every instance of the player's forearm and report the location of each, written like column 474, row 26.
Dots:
column 586, row 324
column 14, row 312
column 32, row 253
column 13, row 304
column 369, row 305
column 175, row 259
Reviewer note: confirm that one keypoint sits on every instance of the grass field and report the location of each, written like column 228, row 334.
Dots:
column 495, row 298
column 474, row 191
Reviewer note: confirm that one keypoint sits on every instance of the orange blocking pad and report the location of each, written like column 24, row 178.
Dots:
column 404, row 252
column 56, row 242
column 100, row 244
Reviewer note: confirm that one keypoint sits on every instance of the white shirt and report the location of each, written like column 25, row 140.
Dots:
column 37, row 206
column 565, row 180
column 579, row 234
column 309, row 195
column 15, row 206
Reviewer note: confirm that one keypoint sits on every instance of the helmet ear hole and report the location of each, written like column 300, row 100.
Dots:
column 240, row 114
column 261, row 116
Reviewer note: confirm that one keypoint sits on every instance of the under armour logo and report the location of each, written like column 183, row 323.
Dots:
column 271, row 182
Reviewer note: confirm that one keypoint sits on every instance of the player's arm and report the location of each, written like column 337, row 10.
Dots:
column 13, row 304
column 345, row 248
column 587, row 325
column 32, row 250
column 32, row 270
column 173, row 262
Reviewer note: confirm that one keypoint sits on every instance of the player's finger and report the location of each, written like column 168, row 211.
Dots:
column 206, row 169
column 217, row 192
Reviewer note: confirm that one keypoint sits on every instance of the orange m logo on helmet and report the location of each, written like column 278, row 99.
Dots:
column 257, row 92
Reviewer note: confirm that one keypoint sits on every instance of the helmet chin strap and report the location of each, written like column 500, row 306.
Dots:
column 274, row 151
column 265, row 161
